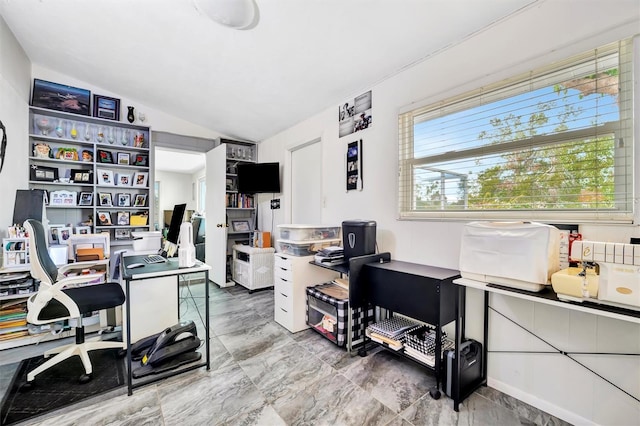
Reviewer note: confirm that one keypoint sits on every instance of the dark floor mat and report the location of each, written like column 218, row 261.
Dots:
column 58, row 386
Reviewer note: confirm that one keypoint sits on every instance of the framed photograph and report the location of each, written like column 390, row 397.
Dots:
column 54, row 233
column 105, row 199
column 140, row 179
column 124, row 200
column 105, row 177
column 86, row 199
column 240, row 226
column 123, row 234
column 60, row 97
column 42, row 173
column 123, row 179
column 87, row 155
column 104, row 156
column 140, row 200
column 141, row 160
column 83, row 230
column 104, row 218
column 63, row 198
column 64, row 234
column 123, row 219
column 106, row 107
column 123, row 158
column 81, row 176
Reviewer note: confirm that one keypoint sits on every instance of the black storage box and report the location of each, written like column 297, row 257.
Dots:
column 358, row 238
column 471, row 368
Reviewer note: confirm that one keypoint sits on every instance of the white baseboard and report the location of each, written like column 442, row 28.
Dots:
column 546, row 406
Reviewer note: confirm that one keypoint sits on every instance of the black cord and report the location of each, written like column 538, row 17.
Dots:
column 3, row 147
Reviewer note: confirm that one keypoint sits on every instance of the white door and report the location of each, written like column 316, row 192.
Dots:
column 216, row 222
column 306, row 184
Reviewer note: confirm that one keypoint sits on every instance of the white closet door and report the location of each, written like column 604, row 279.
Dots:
column 216, row 222
column 306, row 184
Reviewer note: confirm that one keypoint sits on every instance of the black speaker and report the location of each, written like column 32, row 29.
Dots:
column 358, row 238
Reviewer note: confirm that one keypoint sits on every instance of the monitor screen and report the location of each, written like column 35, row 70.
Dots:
column 198, row 229
column 176, row 221
column 258, row 177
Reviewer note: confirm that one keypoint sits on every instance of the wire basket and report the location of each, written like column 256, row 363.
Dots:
column 423, row 340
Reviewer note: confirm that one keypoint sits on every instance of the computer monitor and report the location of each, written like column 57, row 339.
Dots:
column 171, row 244
column 198, row 229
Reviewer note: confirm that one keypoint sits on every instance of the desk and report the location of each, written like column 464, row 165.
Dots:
column 154, row 279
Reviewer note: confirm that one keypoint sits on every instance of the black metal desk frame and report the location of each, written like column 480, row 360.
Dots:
column 161, row 270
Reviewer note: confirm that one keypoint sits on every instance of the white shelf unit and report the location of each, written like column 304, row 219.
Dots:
column 253, row 267
column 15, row 253
column 57, row 155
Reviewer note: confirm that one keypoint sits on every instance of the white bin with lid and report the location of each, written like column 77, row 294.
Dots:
column 301, row 232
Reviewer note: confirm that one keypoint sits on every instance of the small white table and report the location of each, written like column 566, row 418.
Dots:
column 253, row 267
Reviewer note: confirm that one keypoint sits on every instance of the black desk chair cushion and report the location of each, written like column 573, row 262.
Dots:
column 89, row 299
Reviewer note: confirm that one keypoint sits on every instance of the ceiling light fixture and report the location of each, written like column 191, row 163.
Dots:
column 237, row 14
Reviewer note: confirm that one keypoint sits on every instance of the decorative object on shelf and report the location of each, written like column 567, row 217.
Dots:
column 111, row 135
column 70, row 154
column 139, row 219
column 105, row 199
column 54, row 233
column 240, row 226
column 142, row 116
column 63, row 198
column 141, row 160
column 42, row 150
column 100, row 134
column 82, row 230
column 104, row 218
column 64, row 234
column 140, row 179
column 87, row 155
column 123, row 218
column 87, row 132
column 123, row 179
column 60, row 97
column 138, row 139
column 125, row 137
column 43, row 124
column 86, row 199
column 123, row 234
column 74, row 132
column 123, row 158
column 124, row 200
column 42, row 173
column 105, row 156
column 106, row 107
column 105, row 177
column 131, row 115
column 141, row 200
column 81, row 176
column 60, row 128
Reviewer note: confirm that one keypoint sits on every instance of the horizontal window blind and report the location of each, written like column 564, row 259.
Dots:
column 554, row 144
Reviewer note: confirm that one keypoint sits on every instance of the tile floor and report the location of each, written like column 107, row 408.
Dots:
column 263, row 375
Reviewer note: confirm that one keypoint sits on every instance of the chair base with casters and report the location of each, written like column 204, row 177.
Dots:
column 58, row 299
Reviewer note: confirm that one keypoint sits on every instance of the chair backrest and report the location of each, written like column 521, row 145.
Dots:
column 42, row 267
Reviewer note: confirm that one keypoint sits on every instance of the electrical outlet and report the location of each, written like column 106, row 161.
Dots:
column 275, row 203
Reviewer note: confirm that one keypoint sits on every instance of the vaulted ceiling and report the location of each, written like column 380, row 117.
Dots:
column 302, row 57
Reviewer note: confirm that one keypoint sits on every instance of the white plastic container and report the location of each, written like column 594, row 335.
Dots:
column 147, row 240
column 304, row 248
column 294, row 232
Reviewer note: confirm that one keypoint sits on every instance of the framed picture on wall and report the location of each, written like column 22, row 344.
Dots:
column 60, row 97
column 106, row 107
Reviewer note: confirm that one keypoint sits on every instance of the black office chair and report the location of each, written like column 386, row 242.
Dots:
column 56, row 301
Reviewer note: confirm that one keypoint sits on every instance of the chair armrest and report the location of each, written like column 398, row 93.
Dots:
column 76, row 279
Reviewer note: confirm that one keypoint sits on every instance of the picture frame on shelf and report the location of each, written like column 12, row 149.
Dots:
column 240, row 226
column 123, row 234
column 123, row 179
column 105, row 157
column 140, row 200
column 104, row 218
column 124, row 200
column 105, row 177
column 105, row 199
column 63, row 198
column 54, row 234
column 64, row 234
column 86, row 199
column 123, row 218
column 82, row 230
column 43, row 173
column 140, row 179
column 141, row 160
column 60, row 97
column 106, row 107
column 123, row 158
column 81, row 176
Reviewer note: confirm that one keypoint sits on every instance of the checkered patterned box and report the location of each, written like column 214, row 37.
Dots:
column 328, row 315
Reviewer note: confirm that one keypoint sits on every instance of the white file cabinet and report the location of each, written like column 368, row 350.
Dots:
column 292, row 276
column 253, row 267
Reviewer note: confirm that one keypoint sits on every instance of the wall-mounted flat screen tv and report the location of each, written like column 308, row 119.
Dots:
column 256, row 178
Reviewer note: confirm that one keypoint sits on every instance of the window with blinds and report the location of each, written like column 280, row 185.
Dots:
column 554, row 144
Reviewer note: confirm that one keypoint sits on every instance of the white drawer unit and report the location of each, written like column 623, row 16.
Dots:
column 292, row 276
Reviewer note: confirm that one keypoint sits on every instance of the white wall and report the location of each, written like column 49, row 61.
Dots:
column 175, row 188
column 537, row 36
column 194, row 180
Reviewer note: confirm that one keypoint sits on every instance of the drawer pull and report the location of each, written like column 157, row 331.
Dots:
column 284, row 310
column 284, row 295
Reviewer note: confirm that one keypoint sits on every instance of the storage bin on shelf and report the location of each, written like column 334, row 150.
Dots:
column 304, row 248
column 296, row 232
column 327, row 313
column 421, row 344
